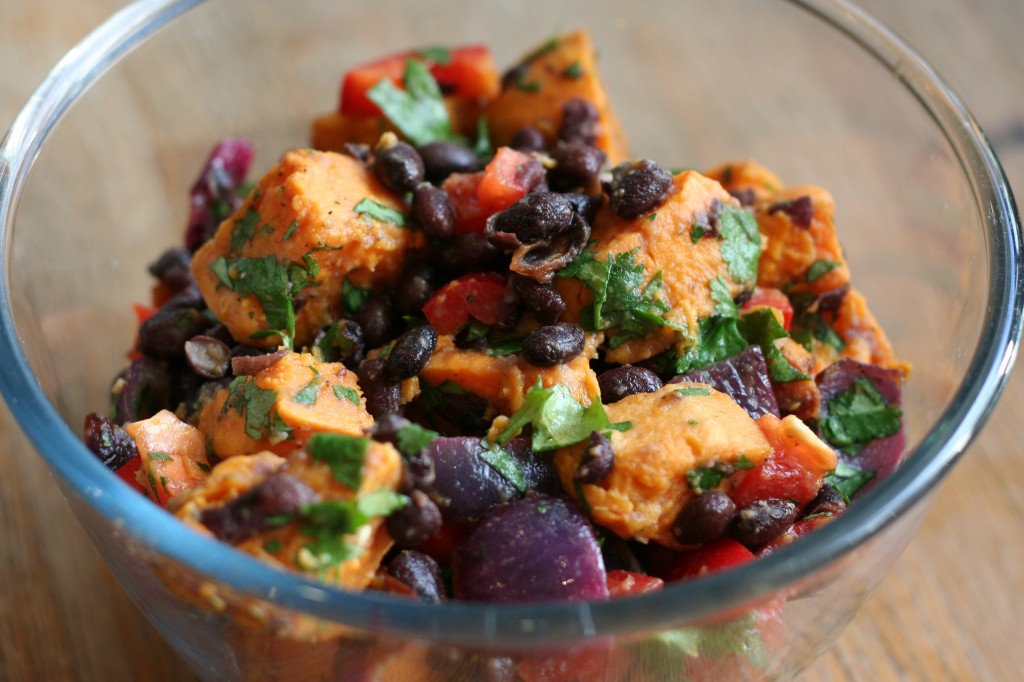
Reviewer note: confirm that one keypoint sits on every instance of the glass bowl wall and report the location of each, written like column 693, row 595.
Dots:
column 813, row 90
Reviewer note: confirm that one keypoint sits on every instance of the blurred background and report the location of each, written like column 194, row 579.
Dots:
column 949, row 610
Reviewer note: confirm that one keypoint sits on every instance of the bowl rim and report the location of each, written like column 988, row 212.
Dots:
column 527, row 624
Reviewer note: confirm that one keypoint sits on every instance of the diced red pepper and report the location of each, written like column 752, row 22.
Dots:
column 442, row 544
column 794, row 471
column 479, row 296
column 710, row 558
column 793, row 533
column 504, row 181
column 462, row 189
column 772, row 298
column 623, row 583
column 128, row 471
column 470, row 72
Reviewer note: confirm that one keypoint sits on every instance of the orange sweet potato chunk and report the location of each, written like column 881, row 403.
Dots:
column 675, row 430
column 331, row 131
column 560, row 70
column 279, row 408
column 304, row 214
column 173, row 455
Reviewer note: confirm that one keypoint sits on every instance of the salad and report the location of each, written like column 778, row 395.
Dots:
column 465, row 346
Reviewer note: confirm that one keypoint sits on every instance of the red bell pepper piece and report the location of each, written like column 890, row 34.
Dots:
column 772, row 298
column 470, row 71
column 504, row 180
column 709, row 558
column 463, row 190
column 623, row 583
column 479, row 296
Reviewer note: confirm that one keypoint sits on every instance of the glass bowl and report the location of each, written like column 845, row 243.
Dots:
column 94, row 175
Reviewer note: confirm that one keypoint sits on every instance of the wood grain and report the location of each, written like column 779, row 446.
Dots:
column 951, row 608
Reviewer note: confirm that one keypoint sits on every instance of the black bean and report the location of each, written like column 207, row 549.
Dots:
column 619, row 382
column 543, row 300
column 382, row 395
column 585, row 205
column 108, row 441
column 471, row 252
column 467, row 413
column 540, row 215
column 705, row 518
column 172, row 268
column 433, row 211
column 399, row 167
column 387, row 427
column 419, row 470
column 762, row 521
column 249, row 365
column 421, row 573
column 576, row 165
column 828, row 501
column 580, row 122
column 416, row 522
column 377, row 318
column 145, row 389
column 744, row 195
column 553, row 344
column 358, row 151
column 441, row 159
column 638, row 187
column 411, row 352
column 163, row 335
column 208, row 357
column 540, row 260
column 414, row 288
column 617, row 554
column 342, row 341
column 800, row 211
column 598, row 460
column 528, row 139
column 282, row 493
column 514, row 76
column 188, row 296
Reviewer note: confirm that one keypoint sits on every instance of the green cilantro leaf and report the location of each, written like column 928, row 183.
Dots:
column 693, row 391
column 290, row 232
column 557, row 418
column 309, row 394
column 573, row 71
column 436, row 53
column 858, row 416
column 720, row 294
column 848, row 479
column 418, row 111
column 810, row 326
column 819, row 269
column 327, row 523
column 244, row 230
column 483, row 147
column 719, row 339
column 160, row 456
column 353, row 297
column 344, row 455
column 346, row 393
column 257, row 404
column 413, row 438
column 706, row 478
column 368, row 206
column 267, row 280
column 763, row 328
column 505, row 464
column 623, row 299
column 741, row 242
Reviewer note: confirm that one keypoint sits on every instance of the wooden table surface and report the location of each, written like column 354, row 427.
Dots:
column 952, row 607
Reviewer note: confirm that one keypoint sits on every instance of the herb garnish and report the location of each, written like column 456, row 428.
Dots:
column 848, row 479
column 435, row 53
column 309, row 394
column 243, row 230
column 505, row 464
column 858, row 416
column 557, row 418
column 741, row 242
column 373, row 209
column 573, row 71
column 702, row 479
column 693, row 391
column 623, row 299
column 413, row 438
column 353, row 297
column 326, row 523
column 343, row 454
column 346, row 393
column 257, row 404
column 418, row 111
column 819, row 269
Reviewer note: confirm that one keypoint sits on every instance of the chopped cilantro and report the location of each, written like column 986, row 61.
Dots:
column 343, row 454
column 547, row 47
column 290, row 232
column 858, row 416
column 848, row 479
column 346, row 393
column 353, row 297
column 160, row 456
column 652, row 217
column 309, row 394
column 436, row 53
column 203, row 466
column 623, row 299
column 413, row 438
column 706, row 478
column 763, row 328
column 693, row 391
column 741, row 242
column 697, row 232
column 327, row 523
column 573, row 71
column 273, row 545
column 418, row 111
column 483, row 147
column 720, row 294
column 557, row 418
column 524, row 85
column 510, row 345
column 505, row 464
column 257, row 404
column 810, row 326
column 267, row 280
column 719, row 339
column 819, row 269
column 243, row 230
column 380, row 212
